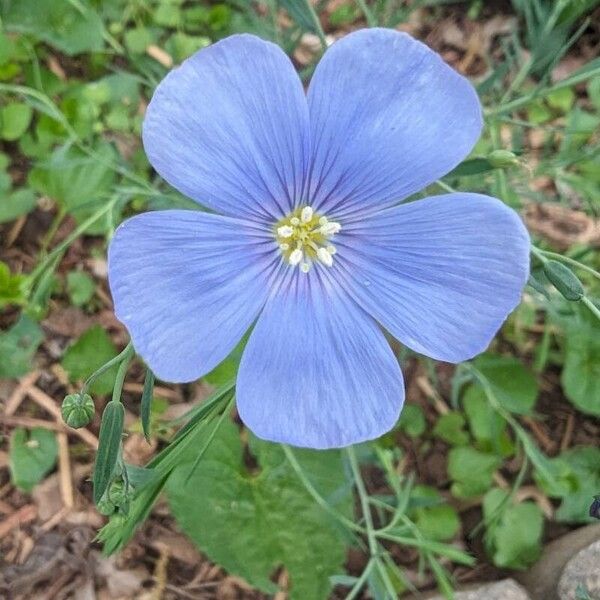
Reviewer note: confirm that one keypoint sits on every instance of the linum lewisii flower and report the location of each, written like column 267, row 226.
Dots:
column 308, row 240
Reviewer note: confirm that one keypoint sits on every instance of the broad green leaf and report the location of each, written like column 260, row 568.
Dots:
column 93, row 349
column 78, row 182
column 57, row 22
column 439, row 521
column 450, row 427
column 14, row 120
column 471, row 471
column 412, row 420
column 15, row 204
column 109, row 444
column 577, row 472
column 514, row 387
column 514, row 530
column 31, row 456
column 581, row 369
column 18, row 346
column 252, row 521
column 137, row 40
column 80, row 287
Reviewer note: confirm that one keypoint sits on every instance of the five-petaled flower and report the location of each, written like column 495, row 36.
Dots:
column 308, row 238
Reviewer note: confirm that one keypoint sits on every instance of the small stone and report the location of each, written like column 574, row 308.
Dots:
column 507, row 589
column 581, row 571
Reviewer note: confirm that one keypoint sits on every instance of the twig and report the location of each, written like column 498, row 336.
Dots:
column 64, row 470
column 20, row 392
column 24, row 515
column 568, row 434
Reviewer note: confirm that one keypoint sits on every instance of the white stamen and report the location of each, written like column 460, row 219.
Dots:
column 284, row 247
column 330, row 228
column 285, row 231
column 323, row 221
column 325, row 257
column 307, row 214
column 296, row 256
column 305, row 267
column 331, row 249
column 295, row 221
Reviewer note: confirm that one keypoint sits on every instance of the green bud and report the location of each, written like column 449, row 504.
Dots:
column 106, row 507
column 116, row 493
column 502, row 158
column 78, row 410
column 564, row 280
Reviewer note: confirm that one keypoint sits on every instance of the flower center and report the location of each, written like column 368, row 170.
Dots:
column 303, row 238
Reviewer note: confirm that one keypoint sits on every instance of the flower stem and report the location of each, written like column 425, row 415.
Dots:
column 318, row 27
column 289, row 454
column 364, row 501
column 124, row 355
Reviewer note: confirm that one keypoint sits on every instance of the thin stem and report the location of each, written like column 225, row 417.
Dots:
column 124, row 355
column 566, row 259
column 289, row 454
column 211, row 436
column 127, row 355
column 71, row 238
column 591, row 306
column 360, row 582
column 318, row 27
column 445, row 186
column 370, row 18
column 364, row 501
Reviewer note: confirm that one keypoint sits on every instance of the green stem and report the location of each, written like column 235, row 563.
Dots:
column 445, row 186
column 211, row 436
column 318, row 27
column 541, row 254
column 70, row 239
column 126, row 355
column 360, row 582
column 370, row 18
column 289, row 454
column 591, row 306
column 364, row 501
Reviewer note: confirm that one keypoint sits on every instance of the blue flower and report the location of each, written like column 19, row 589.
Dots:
column 308, row 238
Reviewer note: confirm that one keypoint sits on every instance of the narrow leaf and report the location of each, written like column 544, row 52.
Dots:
column 111, row 430
column 147, row 403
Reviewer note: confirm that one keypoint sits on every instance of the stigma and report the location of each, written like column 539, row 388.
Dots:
column 304, row 237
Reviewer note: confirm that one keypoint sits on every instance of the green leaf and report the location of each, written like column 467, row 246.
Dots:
column 513, row 536
column 450, row 427
column 31, row 456
column 137, row 40
column 80, row 287
column 20, row 202
column 76, row 181
column 11, row 291
column 564, row 280
column 581, row 369
column 253, row 521
column 146, row 403
column 561, row 99
column 58, row 23
column 471, row 471
column 226, row 370
column 515, row 388
column 92, row 350
column 109, row 444
column 578, row 474
column 412, row 420
column 439, row 522
column 18, row 346
column 14, row 120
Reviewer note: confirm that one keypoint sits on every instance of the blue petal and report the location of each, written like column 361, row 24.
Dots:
column 317, row 371
column 229, row 128
column 388, row 117
column 441, row 274
column 187, row 285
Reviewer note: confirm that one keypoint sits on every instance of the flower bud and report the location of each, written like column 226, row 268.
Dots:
column 502, row 158
column 77, row 410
